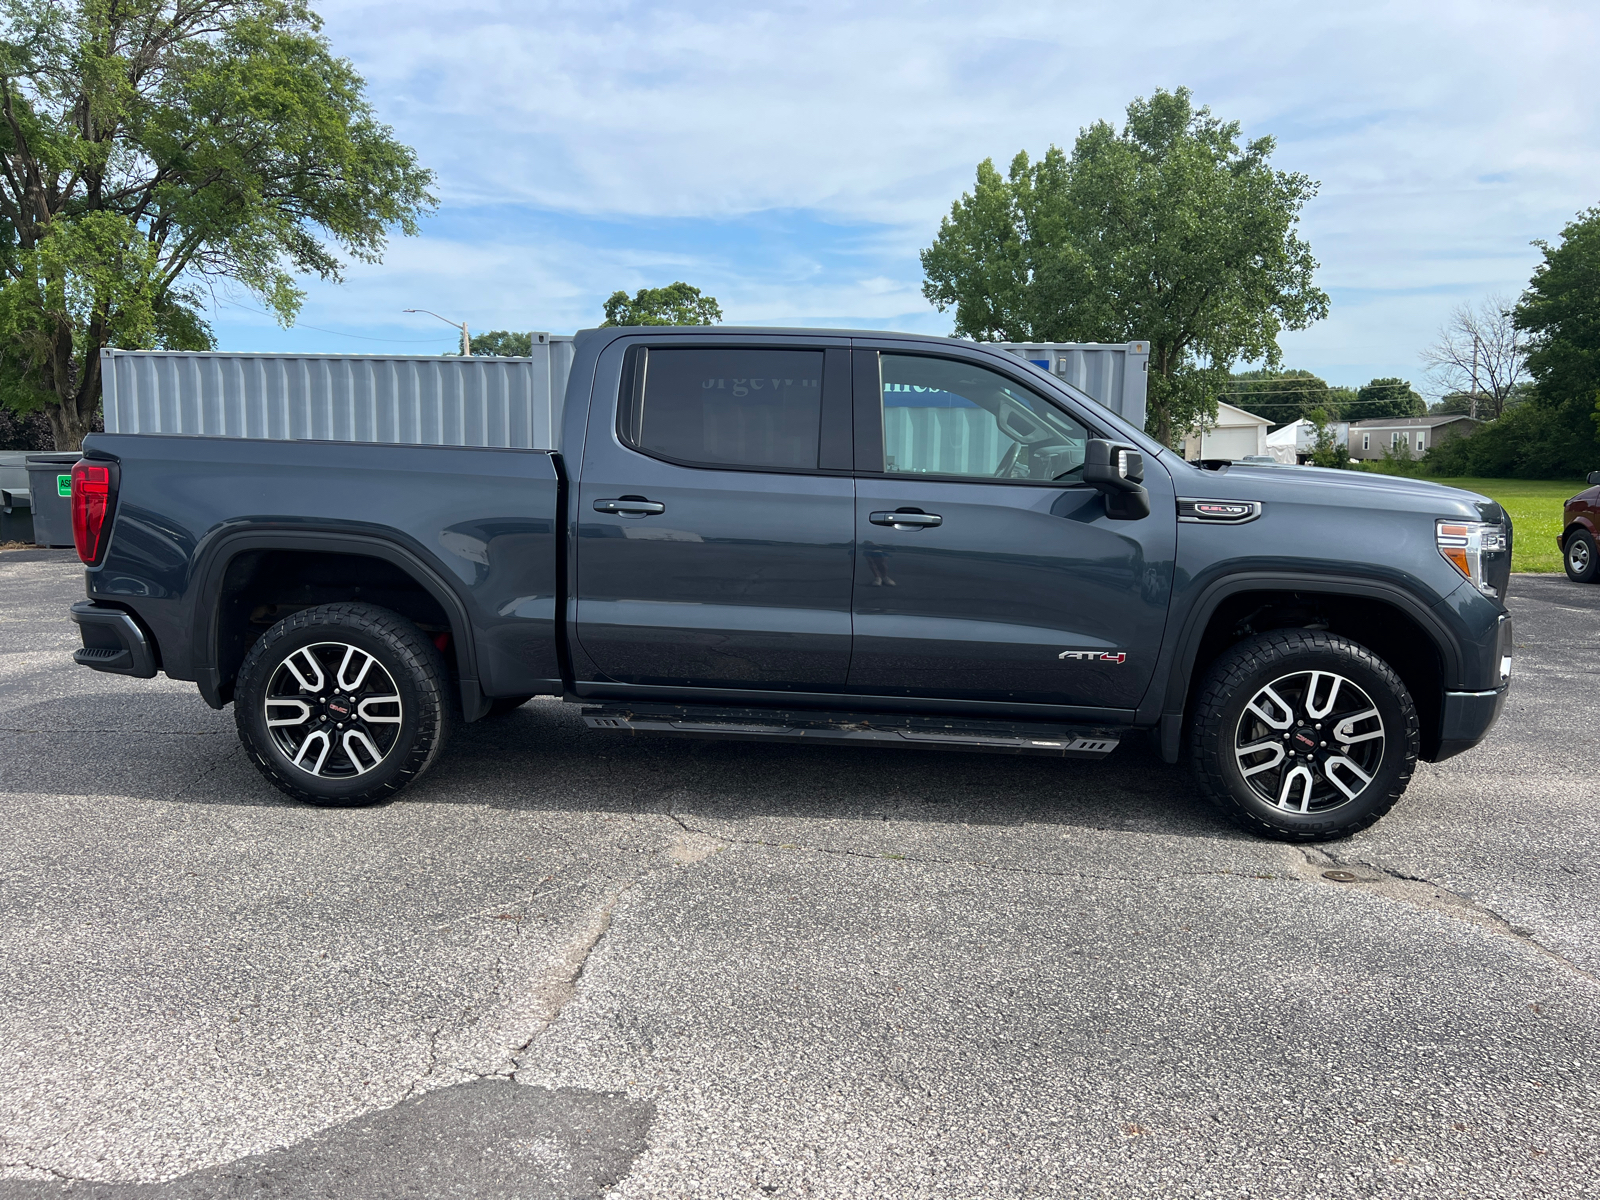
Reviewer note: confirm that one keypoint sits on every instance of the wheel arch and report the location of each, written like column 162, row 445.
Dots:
column 219, row 656
column 1385, row 618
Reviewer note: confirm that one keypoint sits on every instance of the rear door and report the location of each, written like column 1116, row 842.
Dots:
column 986, row 569
column 715, row 516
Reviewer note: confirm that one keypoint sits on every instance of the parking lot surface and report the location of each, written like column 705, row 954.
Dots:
column 570, row 963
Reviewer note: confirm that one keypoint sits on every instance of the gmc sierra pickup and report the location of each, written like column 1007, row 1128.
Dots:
column 820, row 537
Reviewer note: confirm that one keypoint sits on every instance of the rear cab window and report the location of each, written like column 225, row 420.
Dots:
column 724, row 406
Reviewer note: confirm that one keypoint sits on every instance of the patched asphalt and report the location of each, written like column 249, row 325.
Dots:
column 573, row 963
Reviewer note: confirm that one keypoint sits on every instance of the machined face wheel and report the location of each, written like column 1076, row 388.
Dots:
column 333, row 710
column 1577, row 556
column 1309, row 742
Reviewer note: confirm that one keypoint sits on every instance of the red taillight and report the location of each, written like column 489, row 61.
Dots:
column 94, row 489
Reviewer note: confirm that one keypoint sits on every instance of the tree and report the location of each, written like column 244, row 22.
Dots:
column 1167, row 230
column 675, row 304
column 1326, row 449
column 1281, row 396
column 502, row 343
column 152, row 149
column 1387, row 398
column 1480, row 354
column 1560, row 312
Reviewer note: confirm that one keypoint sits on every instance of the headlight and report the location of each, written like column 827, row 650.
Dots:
column 1463, row 545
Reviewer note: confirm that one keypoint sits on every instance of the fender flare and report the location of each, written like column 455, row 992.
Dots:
column 1184, row 646
column 216, row 554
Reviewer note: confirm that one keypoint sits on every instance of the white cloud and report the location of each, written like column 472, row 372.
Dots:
column 1446, row 136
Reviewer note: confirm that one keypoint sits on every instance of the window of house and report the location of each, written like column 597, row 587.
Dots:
column 1419, row 443
column 947, row 417
column 1396, row 440
column 724, row 406
column 1366, row 441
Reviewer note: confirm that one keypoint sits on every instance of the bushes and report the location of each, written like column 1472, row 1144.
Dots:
column 1531, row 441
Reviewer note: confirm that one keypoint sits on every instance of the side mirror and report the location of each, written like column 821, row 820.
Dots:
column 1117, row 472
column 1594, row 478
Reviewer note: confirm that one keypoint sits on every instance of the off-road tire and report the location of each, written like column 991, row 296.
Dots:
column 1236, row 678
column 1580, row 546
column 400, row 648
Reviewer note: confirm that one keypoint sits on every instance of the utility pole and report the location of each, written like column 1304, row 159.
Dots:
column 1472, row 404
column 466, row 338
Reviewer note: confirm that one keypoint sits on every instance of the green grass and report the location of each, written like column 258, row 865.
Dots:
column 1535, row 508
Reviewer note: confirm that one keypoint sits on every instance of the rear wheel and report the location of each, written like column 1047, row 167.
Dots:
column 1581, row 557
column 342, row 704
column 1303, row 736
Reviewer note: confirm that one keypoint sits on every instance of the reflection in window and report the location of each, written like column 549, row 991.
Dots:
column 945, row 417
column 747, row 408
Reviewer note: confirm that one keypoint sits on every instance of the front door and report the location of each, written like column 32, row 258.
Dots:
column 986, row 569
column 714, row 548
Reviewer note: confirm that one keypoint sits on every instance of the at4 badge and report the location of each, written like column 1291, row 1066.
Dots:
column 1114, row 656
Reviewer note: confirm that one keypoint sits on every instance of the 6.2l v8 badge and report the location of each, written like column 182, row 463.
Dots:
column 1115, row 656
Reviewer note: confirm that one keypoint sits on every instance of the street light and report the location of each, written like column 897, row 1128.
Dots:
column 466, row 340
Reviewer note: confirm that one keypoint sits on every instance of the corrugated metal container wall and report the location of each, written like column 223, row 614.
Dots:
column 1114, row 374
column 435, row 401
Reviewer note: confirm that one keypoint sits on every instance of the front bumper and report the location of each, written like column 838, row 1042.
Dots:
column 1467, row 719
column 113, row 641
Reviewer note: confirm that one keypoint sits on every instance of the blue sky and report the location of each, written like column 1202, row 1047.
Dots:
column 792, row 159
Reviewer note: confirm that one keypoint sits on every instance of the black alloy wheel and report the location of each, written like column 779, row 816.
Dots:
column 342, row 704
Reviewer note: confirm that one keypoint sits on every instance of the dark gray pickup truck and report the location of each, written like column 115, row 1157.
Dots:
column 823, row 537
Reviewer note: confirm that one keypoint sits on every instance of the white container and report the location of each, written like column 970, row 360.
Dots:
column 1115, row 374
column 513, row 403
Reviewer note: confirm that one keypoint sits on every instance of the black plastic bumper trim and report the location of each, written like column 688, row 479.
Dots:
column 133, row 654
column 1467, row 718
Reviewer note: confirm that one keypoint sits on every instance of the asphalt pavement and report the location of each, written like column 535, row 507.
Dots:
column 573, row 963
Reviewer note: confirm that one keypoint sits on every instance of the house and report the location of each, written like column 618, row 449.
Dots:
column 1372, row 438
column 1296, row 440
column 1236, row 434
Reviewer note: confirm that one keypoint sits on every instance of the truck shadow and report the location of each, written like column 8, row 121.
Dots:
column 542, row 758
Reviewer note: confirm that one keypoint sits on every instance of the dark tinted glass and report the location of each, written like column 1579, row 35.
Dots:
column 744, row 408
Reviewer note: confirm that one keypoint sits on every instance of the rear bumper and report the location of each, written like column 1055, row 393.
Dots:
column 113, row 641
column 1467, row 719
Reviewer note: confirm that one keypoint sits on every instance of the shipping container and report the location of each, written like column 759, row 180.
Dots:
column 443, row 400
column 1116, row 374
column 410, row 399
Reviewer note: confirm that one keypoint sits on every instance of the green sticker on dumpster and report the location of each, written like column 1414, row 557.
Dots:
column 64, row 485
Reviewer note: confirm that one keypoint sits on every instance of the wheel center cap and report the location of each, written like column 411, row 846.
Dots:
column 1303, row 740
column 340, row 709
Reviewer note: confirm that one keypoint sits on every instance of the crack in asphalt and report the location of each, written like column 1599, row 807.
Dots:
column 1408, row 889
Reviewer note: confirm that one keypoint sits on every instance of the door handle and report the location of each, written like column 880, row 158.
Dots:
column 630, row 506
column 906, row 519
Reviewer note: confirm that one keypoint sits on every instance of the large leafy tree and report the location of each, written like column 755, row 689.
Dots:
column 1387, row 398
column 1560, row 312
column 152, row 149
column 1168, row 229
column 675, row 304
column 502, row 343
column 1281, row 396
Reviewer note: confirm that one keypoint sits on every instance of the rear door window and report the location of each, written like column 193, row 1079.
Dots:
column 725, row 407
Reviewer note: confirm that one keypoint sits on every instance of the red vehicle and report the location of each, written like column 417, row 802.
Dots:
column 1580, row 534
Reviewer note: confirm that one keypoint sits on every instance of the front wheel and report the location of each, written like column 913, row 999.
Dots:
column 1303, row 736
column 342, row 704
column 1580, row 557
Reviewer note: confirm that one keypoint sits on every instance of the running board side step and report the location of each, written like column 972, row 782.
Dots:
column 871, row 729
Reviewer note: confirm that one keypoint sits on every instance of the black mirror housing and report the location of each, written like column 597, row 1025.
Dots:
column 1117, row 471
